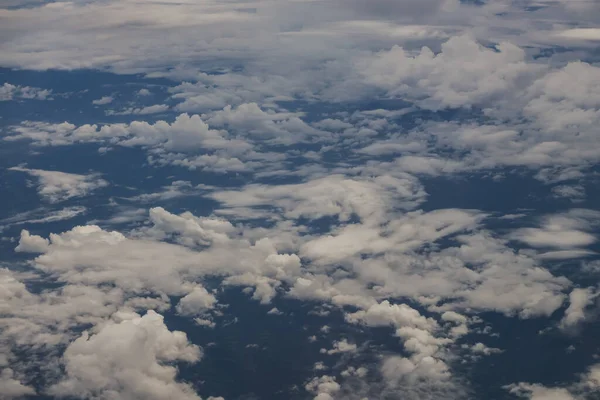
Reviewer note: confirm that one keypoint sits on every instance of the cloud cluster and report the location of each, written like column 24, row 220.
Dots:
column 479, row 273
column 18, row 92
column 528, row 119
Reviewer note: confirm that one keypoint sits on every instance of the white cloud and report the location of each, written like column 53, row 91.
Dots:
column 480, row 348
column 274, row 311
column 188, row 141
column 280, row 127
column 127, row 358
column 446, row 80
column 334, row 195
column 341, row 346
column 323, row 387
column 103, row 100
column 154, row 109
column 29, row 243
column 42, row 216
column 563, row 231
column 530, row 120
column 498, row 279
column 360, row 372
column 55, row 186
column 580, row 33
column 398, row 368
column 575, row 193
column 63, row 28
column 17, row 92
column 579, row 300
column 397, row 315
column 539, row 392
column 190, row 230
column 554, row 237
column 205, row 322
column 198, row 301
column 586, row 387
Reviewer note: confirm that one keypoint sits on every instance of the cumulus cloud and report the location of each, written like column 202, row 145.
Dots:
column 127, row 357
column 56, row 186
column 480, row 348
column 397, row 368
column 397, row 315
column 341, row 346
column 196, row 302
column 29, row 243
column 432, row 81
column 323, row 387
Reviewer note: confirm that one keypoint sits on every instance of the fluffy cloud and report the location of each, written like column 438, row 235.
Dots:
column 280, row 127
column 446, row 80
column 342, row 346
column 127, row 358
column 323, row 387
column 397, row 315
column 398, row 368
column 196, row 302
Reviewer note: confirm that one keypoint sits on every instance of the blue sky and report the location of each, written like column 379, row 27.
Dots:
column 328, row 199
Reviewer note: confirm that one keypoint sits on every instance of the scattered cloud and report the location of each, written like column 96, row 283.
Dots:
column 155, row 109
column 331, row 124
column 17, row 92
column 55, row 186
column 103, row 100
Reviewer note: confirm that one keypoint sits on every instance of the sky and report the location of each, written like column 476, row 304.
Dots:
column 299, row 199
